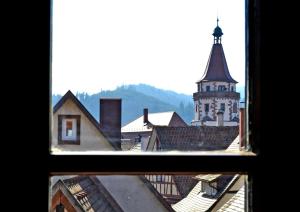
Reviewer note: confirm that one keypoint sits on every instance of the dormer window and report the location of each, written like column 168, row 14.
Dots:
column 209, row 189
column 209, row 184
column 212, row 184
column 69, row 129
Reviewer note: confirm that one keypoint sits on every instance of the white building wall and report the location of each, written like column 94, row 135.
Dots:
column 214, row 108
column 214, row 123
column 214, row 85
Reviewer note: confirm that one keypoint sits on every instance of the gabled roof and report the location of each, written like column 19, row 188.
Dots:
column 192, row 138
column 89, row 195
column 159, row 119
column 72, row 97
column 134, row 193
column 216, row 68
column 197, row 201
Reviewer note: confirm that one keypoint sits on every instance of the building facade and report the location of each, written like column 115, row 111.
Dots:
column 216, row 97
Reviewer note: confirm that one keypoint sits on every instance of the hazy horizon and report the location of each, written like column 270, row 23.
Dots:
column 118, row 86
column 100, row 45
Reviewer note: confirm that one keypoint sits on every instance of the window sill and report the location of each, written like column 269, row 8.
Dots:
column 168, row 153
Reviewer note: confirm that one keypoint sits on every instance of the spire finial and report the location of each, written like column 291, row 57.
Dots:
column 217, row 32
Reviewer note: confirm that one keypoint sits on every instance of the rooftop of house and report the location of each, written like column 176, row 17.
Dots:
column 193, row 138
column 138, row 125
column 235, row 145
column 236, row 203
column 197, row 201
column 112, row 193
column 88, row 194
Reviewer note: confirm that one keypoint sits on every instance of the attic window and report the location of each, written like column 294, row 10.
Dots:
column 69, row 129
column 209, row 189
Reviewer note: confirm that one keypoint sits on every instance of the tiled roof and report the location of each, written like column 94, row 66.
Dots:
column 92, row 196
column 235, row 145
column 193, row 138
column 236, row 203
column 196, row 201
column 208, row 177
column 217, row 69
column 161, row 119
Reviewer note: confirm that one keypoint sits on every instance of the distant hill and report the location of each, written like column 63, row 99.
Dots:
column 137, row 97
column 167, row 96
column 134, row 101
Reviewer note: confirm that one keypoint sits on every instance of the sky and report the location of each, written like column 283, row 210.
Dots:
column 101, row 44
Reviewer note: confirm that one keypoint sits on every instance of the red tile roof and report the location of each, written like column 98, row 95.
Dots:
column 193, row 138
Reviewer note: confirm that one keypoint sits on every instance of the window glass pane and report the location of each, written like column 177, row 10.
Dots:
column 142, row 84
column 198, row 192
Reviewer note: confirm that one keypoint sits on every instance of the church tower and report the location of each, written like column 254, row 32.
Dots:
column 216, row 97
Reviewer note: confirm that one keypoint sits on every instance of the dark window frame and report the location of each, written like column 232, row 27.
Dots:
column 60, row 164
column 60, row 140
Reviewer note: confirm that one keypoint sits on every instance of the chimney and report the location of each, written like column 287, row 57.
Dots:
column 220, row 118
column 110, row 119
column 146, row 115
column 242, row 136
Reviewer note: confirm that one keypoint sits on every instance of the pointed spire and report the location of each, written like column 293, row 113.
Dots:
column 217, row 33
column 216, row 68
